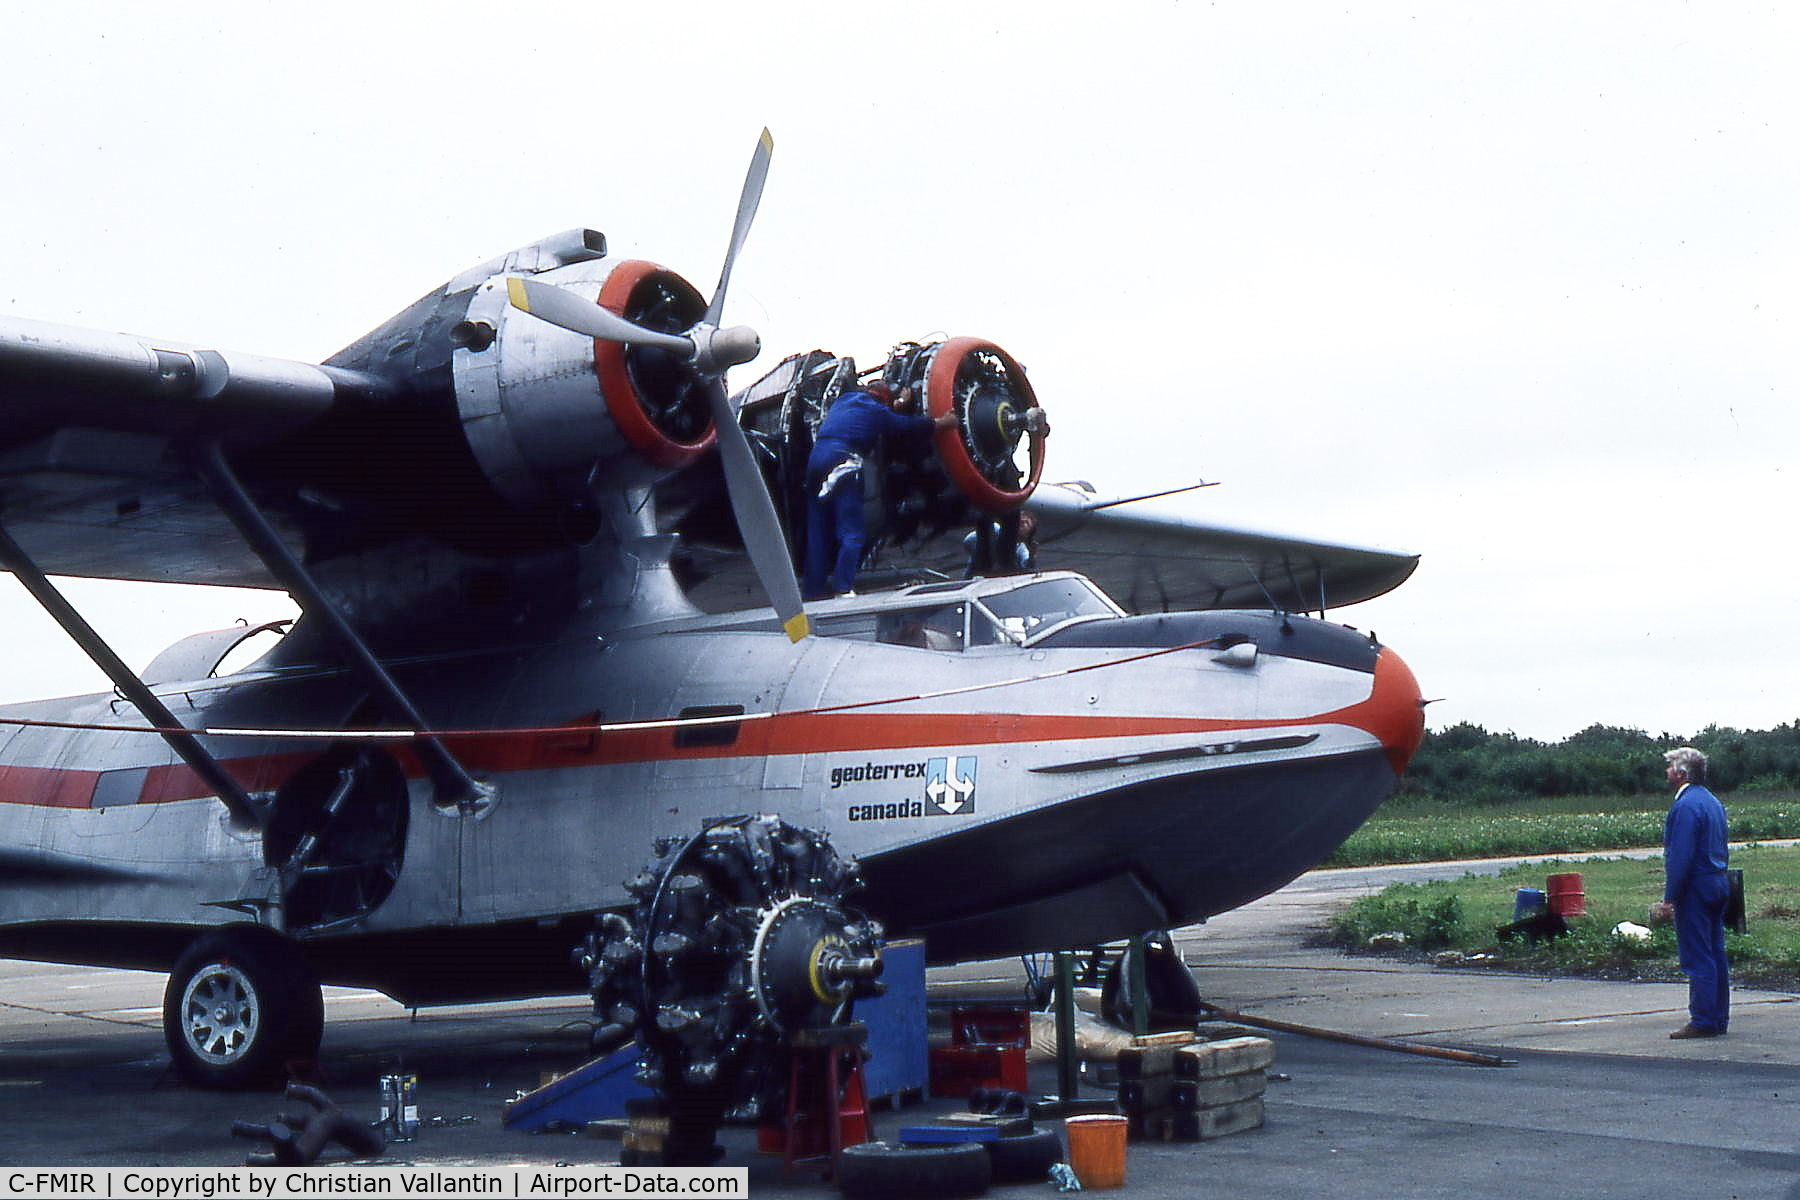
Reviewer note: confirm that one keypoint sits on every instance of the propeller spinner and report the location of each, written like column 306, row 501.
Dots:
column 710, row 351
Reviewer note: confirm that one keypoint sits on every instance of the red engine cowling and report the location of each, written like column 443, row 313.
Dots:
column 993, row 398
column 548, row 413
column 654, row 399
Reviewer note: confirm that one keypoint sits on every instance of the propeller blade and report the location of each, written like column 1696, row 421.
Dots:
column 746, row 213
column 711, row 351
column 756, row 518
column 757, row 521
column 568, row 311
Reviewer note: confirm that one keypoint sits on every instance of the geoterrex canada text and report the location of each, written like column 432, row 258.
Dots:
column 933, row 787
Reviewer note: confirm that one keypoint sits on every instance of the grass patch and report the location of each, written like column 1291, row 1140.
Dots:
column 1428, row 831
column 1463, row 914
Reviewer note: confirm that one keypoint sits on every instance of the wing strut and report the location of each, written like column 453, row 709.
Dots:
column 243, row 812
column 452, row 785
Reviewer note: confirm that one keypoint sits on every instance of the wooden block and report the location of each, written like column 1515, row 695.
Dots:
column 1175, row 1037
column 1190, row 1094
column 1145, row 1062
column 1150, row 1125
column 1204, row 1124
column 1233, row 1056
column 1142, row 1095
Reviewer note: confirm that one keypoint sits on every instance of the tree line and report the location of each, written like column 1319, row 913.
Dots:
column 1466, row 764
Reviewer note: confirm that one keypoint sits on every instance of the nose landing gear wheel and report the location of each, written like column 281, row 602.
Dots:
column 241, row 1003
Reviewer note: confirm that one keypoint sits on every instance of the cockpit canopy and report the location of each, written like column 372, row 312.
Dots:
column 1011, row 611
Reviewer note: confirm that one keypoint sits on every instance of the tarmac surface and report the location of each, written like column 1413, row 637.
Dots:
column 1599, row 1103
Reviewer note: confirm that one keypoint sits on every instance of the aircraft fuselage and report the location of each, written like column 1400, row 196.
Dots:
column 1010, row 783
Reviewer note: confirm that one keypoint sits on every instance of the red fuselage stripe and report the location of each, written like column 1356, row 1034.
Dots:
column 1391, row 714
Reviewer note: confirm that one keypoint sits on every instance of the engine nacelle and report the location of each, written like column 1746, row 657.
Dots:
column 547, row 412
column 991, row 394
column 975, row 476
column 496, row 430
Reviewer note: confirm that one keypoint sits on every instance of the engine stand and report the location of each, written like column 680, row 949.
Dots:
column 827, row 1108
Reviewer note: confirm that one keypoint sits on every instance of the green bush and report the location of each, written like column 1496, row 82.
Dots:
column 1426, row 915
column 1465, row 914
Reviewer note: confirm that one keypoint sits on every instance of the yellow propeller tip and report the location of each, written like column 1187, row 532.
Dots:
column 796, row 627
column 515, row 292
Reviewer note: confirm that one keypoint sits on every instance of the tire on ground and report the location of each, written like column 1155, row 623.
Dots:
column 241, row 1003
column 877, row 1171
column 1024, row 1157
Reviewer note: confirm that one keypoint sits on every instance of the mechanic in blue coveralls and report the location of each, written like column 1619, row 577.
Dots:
column 853, row 425
column 1695, row 892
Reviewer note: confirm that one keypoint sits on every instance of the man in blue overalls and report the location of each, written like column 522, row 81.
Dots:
column 853, row 424
column 1695, row 891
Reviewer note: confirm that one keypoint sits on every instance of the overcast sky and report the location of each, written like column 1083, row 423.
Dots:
column 1515, row 287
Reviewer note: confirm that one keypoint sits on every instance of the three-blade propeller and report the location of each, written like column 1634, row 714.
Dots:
column 711, row 351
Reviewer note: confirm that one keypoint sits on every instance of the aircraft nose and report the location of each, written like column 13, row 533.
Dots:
column 1395, row 710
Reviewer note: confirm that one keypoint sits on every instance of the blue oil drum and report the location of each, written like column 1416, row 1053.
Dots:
column 1527, row 901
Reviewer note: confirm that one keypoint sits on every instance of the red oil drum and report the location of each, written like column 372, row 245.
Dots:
column 1566, row 899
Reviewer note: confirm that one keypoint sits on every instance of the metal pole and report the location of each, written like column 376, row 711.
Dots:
column 1356, row 1039
column 1136, row 978
column 236, row 801
column 1068, row 1057
column 453, row 785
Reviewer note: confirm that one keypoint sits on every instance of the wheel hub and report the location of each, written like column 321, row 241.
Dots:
column 222, row 1013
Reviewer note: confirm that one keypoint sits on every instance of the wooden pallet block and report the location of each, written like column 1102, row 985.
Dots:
column 1205, row 1124
column 1233, row 1056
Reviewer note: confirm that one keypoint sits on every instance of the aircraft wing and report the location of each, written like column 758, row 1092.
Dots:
column 95, row 428
column 1147, row 556
column 98, row 433
column 89, row 468
column 1152, row 559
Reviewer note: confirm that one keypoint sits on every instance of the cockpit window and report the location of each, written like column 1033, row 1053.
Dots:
column 1039, row 607
column 936, row 628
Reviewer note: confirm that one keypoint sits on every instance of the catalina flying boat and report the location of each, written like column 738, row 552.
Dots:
column 549, row 631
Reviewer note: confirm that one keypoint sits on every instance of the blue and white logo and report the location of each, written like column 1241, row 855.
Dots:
column 950, row 786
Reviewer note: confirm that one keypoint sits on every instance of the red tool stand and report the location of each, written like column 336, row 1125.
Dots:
column 827, row 1108
column 986, row 1050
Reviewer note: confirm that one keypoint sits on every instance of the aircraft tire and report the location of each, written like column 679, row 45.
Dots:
column 241, row 1003
column 1174, row 997
column 878, row 1171
column 1024, row 1157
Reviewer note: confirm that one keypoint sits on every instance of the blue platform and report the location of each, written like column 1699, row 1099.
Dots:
column 899, row 1065
column 591, row 1092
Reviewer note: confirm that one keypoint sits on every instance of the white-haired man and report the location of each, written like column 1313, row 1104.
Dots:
column 1695, row 891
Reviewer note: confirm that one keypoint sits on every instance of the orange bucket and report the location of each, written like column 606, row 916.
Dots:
column 1097, row 1151
column 1566, row 899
